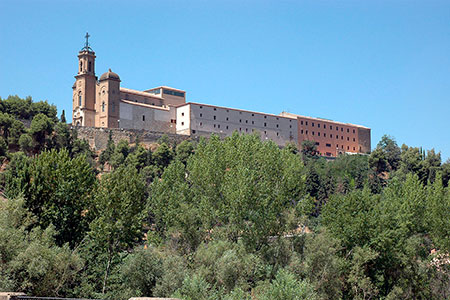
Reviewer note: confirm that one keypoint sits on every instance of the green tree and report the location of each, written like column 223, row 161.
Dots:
column 41, row 127
column 119, row 209
column 56, row 190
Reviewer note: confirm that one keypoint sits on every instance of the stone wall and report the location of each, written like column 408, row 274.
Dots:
column 98, row 137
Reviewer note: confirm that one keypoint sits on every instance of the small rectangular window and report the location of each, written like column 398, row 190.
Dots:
column 324, row 134
column 253, row 122
column 348, row 130
column 353, row 130
column 227, row 118
column 193, row 131
column 302, row 131
column 337, row 137
column 218, row 126
column 331, row 127
column 353, row 148
column 246, row 121
column 143, row 118
column 312, row 124
column 328, row 145
column 348, row 139
column 301, row 122
column 214, row 117
column 201, row 124
column 182, row 113
column 306, row 123
column 277, row 125
column 313, row 133
column 318, row 133
column 337, row 128
column 353, row 139
column 215, row 108
column 253, row 115
column 342, row 137
column 265, row 124
column 182, row 123
column 201, row 115
column 214, row 125
column 227, row 127
column 318, row 125
column 201, row 107
column 317, row 143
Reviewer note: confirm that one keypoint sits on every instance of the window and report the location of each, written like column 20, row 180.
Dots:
column 89, row 66
column 201, row 124
column 348, row 147
column 302, row 131
column 201, row 107
column 218, row 126
column 182, row 123
column 328, row 145
column 246, row 129
column 228, row 110
column 79, row 99
column 324, row 134
column 328, row 154
column 278, row 134
column 353, row 148
column 201, row 115
column 342, row 129
column 353, row 139
column 318, row 125
column 253, row 122
column 342, row 146
column 337, row 136
column 214, row 117
column 240, row 120
column 173, row 93
column 318, row 133
column 353, row 130
column 342, row 137
column 348, row 130
column 306, row 123
column 265, row 124
column 214, row 125
column 193, row 131
column 103, row 106
column 337, row 128
column 290, row 126
column 277, row 125
column 246, row 121
column 143, row 117
column 306, row 131
column 265, row 117
column 313, row 133
column 317, row 143
column 312, row 124
column 215, row 108
column 81, row 66
column 240, row 129
column 227, row 118
column 227, row 126
column 253, row 115
column 331, row 127
column 113, row 107
column 265, row 132
column 348, row 139
column 277, row 118
column 182, row 113
column 301, row 122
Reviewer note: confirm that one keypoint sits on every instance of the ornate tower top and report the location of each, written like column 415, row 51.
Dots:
column 87, row 47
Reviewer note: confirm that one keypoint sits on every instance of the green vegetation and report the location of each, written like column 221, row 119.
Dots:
column 219, row 219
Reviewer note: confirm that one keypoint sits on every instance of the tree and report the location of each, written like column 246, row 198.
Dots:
column 63, row 117
column 41, row 127
column 391, row 151
column 56, row 190
column 119, row 209
column 309, row 150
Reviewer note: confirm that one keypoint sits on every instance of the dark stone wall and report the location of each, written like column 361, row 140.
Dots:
column 364, row 140
column 98, row 137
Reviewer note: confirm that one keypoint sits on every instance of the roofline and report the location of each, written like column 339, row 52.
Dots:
column 325, row 120
column 145, row 94
column 235, row 109
column 144, row 105
column 165, row 87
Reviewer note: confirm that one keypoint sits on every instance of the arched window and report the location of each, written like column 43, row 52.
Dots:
column 81, row 66
column 103, row 106
column 89, row 66
column 79, row 98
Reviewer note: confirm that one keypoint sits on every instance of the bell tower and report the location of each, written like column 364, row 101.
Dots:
column 84, row 88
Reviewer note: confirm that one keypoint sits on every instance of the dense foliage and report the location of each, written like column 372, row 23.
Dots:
column 219, row 219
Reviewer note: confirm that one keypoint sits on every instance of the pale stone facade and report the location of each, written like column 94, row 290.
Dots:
column 104, row 103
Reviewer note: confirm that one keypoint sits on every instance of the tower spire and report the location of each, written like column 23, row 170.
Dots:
column 87, row 47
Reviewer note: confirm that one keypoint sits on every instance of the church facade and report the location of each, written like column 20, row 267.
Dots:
column 102, row 102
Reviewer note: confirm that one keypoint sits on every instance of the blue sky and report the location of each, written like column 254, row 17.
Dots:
column 382, row 64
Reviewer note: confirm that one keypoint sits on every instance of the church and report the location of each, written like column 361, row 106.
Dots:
column 102, row 102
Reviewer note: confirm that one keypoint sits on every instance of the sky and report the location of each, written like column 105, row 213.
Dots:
column 381, row 64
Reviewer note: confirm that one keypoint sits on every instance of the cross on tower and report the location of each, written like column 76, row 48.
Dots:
column 86, row 45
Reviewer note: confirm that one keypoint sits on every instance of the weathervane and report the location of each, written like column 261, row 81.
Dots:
column 86, row 45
